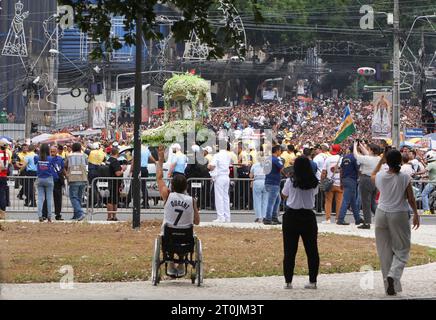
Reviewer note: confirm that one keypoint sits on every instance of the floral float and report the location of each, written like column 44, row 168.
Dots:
column 190, row 95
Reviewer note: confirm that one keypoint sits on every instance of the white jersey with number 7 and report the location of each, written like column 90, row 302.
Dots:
column 178, row 211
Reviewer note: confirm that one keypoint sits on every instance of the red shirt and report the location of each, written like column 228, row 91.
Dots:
column 4, row 159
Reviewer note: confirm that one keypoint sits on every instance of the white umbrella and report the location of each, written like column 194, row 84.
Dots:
column 89, row 132
column 41, row 137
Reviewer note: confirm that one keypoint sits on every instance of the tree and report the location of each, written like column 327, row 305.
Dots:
column 94, row 17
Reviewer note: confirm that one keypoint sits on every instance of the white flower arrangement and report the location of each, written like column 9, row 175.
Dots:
column 170, row 132
column 187, row 87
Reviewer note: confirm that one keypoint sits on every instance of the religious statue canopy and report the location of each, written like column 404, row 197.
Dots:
column 189, row 94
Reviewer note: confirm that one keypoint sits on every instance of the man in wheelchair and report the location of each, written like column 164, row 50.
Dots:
column 180, row 214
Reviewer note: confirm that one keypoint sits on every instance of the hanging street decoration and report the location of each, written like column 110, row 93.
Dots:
column 15, row 44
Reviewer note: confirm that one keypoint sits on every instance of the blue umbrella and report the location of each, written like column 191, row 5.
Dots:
column 6, row 138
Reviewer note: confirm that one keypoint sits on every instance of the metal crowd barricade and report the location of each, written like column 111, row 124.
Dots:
column 23, row 196
column 240, row 194
column 100, row 194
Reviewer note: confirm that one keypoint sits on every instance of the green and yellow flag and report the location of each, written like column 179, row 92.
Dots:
column 347, row 127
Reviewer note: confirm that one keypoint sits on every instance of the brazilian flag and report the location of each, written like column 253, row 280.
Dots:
column 347, row 127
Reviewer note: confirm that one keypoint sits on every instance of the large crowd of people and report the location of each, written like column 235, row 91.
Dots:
column 299, row 128
column 299, row 171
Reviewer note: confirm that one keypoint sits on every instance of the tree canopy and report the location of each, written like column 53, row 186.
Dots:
column 94, row 18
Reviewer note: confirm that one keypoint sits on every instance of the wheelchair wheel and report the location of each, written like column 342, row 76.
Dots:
column 155, row 270
column 198, row 262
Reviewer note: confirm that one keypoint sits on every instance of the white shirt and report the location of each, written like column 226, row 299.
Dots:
column 367, row 164
column 178, row 211
column 329, row 165
column 392, row 189
column 299, row 198
column 417, row 166
column 247, row 133
column 320, row 161
column 407, row 169
column 221, row 161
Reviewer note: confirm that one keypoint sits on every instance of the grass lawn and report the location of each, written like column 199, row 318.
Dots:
column 36, row 252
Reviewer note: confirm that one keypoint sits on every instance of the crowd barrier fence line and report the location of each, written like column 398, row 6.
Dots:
column 96, row 194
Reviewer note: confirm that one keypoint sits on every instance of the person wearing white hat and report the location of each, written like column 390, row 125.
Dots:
column 178, row 161
column 207, row 153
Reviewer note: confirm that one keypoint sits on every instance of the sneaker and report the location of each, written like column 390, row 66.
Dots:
column 426, row 212
column 59, row 218
column 49, row 220
column 390, row 291
column 288, row 286
column 268, row 222
column 310, row 285
column 364, row 226
column 276, row 221
column 81, row 217
column 326, row 222
column 219, row 220
column 342, row 223
column 257, row 220
column 181, row 270
column 41, row 219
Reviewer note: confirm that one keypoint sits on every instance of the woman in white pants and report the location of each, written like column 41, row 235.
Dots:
column 260, row 196
column 392, row 226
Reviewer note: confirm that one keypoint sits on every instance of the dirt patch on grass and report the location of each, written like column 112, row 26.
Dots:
column 36, row 252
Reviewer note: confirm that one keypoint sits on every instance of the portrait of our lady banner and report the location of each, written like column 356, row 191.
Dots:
column 381, row 121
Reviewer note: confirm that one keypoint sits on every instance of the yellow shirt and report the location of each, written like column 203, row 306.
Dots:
column 253, row 155
column 96, row 157
column 209, row 158
column 287, row 157
column 243, row 158
column 233, row 156
column 21, row 156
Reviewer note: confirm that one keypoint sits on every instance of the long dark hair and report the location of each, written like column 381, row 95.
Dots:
column 303, row 177
column 394, row 159
column 44, row 152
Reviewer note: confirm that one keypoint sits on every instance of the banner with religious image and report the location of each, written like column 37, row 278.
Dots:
column 381, row 121
column 99, row 113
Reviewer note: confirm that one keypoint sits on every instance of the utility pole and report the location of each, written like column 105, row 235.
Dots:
column 28, row 106
column 396, row 87
column 136, row 185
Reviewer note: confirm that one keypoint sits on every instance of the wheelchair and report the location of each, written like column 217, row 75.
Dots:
column 184, row 244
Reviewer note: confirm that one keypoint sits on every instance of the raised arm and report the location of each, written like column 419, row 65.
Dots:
column 163, row 189
column 378, row 167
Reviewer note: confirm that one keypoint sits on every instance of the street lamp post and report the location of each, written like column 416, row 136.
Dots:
column 396, row 87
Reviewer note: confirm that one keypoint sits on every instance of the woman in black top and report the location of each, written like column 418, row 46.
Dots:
column 300, row 220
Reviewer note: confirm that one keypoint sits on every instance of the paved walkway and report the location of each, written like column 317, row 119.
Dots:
column 418, row 282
